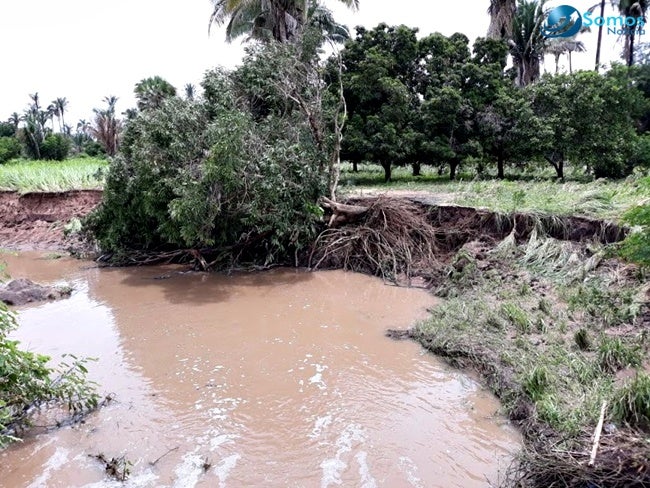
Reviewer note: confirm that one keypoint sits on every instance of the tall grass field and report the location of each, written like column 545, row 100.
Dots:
column 33, row 176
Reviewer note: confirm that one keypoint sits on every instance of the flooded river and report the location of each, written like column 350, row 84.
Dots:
column 282, row 378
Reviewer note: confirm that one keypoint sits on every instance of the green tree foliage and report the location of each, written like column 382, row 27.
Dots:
column 234, row 175
column 56, row 147
column 9, row 149
column 379, row 88
column 27, row 383
column 591, row 120
column 416, row 101
column 7, row 129
column 150, row 92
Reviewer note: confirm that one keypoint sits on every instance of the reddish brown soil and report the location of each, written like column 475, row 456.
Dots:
column 36, row 221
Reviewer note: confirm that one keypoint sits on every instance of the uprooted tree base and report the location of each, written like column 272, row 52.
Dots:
column 398, row 238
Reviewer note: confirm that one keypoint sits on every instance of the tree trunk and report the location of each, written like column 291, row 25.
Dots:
column 387, row 171
column 453, row 165
column 558, row 165
column 630, row 59
column 342, row 213
column 500, row 170
column 600, row 35
column 355, row 167
column 417, row 169
column 280, row 27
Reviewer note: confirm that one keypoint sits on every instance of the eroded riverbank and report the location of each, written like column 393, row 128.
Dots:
column 280, row 378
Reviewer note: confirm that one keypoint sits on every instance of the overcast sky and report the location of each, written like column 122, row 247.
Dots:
column 84, row 50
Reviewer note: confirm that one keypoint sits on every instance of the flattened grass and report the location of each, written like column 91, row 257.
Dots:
column 52, row 176
column 607, row 199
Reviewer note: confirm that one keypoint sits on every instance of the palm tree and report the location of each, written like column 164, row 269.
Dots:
column 280, row 20
column 106, row 127
column 502, row 14
column 190, row 91
column 564, row 45
column 631, row 8
column 53, row 111
column 527, row 44
column 151, row 92
column 14, row 119
column 61, row 104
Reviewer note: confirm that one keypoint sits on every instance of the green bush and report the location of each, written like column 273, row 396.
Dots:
column 55, row 147
column 93, row 149
column 27, row 382
column 7, row 129
column 9, row 149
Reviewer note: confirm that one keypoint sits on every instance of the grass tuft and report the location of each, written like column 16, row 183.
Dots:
column 631, row 403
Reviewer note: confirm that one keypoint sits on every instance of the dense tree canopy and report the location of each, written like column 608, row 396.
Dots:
column 433, row 101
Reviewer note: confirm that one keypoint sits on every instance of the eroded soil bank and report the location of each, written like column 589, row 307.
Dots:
column 38, row 220
column 282, row 378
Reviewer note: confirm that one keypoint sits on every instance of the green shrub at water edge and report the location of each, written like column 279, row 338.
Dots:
column 28, row 383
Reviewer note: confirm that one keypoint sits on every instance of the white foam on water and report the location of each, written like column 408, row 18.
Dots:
column 317, row 379
column 225, row 466
column 408, row 467
column 56, row 461
column 189, row 471
column 334, row 467
column 320, row 424
column 367, row 481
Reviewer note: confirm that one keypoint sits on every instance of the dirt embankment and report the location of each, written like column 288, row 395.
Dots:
column 37, row 221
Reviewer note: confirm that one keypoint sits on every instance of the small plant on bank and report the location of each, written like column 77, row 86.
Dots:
column 631, row 403
column 614, row 355
column 517, row 316
column 536, row 382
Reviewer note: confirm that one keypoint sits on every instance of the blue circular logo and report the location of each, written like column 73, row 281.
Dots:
column 562, row 21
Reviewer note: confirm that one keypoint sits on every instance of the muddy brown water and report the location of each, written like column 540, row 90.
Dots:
column 281, row 378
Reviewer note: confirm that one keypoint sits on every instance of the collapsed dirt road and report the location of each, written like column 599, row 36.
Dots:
column 37, row 221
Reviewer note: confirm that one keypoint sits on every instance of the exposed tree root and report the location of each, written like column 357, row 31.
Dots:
column 623, row 461
column 392, row 239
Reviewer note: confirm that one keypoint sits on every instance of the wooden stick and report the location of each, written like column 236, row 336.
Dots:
column 597, row 432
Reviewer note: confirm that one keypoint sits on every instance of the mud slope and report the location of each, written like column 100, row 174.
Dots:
column 37, row 220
